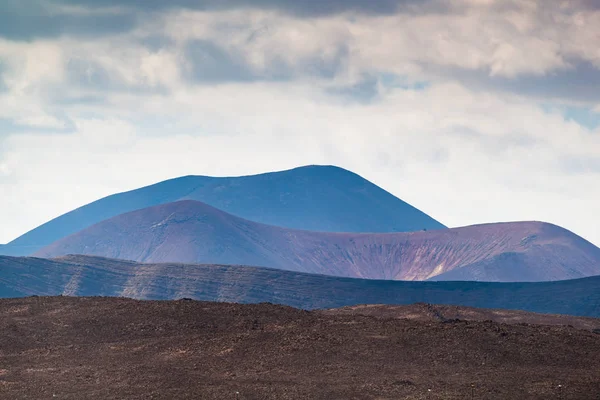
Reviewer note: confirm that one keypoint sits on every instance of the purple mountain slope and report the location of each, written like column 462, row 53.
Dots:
column 193, row 232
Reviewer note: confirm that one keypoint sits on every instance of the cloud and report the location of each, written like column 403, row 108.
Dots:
column 208, row 62
column 520, row 49
column 578, row 165
column 307, row 8
column 31, row 19
column 516, row 46
column 573, row 85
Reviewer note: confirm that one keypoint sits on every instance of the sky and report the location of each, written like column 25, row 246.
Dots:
column 473, row 111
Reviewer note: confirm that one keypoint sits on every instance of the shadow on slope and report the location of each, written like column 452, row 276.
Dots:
column 92, row 276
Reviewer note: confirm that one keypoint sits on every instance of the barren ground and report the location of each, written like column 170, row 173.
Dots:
column 109, row 348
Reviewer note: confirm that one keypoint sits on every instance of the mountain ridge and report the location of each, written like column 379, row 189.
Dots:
column 193, row 232
column 95, row 276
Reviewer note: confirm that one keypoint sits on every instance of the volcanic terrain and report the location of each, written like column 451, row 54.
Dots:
column 193, row 232
column 91, row 348
column 92, row 276
column 450, row 313
column 320, row 198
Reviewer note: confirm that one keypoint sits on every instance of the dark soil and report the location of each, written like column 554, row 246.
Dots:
column 448, row 313
column 101, row 348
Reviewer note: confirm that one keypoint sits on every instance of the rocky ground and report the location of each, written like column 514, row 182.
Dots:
column 448, row 313
column 109, row 348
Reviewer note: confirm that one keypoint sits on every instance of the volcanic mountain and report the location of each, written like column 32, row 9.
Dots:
column 319, row 198
column 193, row 232
column 94, row 276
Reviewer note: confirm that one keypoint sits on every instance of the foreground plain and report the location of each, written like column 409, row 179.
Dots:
column 101, row 348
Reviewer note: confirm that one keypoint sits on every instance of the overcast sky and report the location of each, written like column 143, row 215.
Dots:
column 471, row 110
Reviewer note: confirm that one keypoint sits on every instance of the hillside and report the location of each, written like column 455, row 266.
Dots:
column 92, row 276
column 193, row 232
column 91, row 348
column 320, row 198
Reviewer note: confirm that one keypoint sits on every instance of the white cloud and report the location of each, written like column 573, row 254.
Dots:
column 4, row 170
column 29, row 70
column 31, row 65
column 525, row 38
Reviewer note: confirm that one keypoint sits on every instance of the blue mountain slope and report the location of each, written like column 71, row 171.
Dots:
column 318, row 198
column 95, row 276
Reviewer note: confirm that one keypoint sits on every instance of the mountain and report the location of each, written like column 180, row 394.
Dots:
column 319, row 198
column 93, row 276
column 193, row 232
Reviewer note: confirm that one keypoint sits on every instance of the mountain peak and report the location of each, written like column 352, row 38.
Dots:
column 323, row 198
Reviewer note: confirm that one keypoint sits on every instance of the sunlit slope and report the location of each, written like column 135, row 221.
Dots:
column 193, row 232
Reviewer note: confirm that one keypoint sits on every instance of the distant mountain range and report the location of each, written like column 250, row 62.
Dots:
column 91, row 276
column 193, row 232
column 319, row 198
